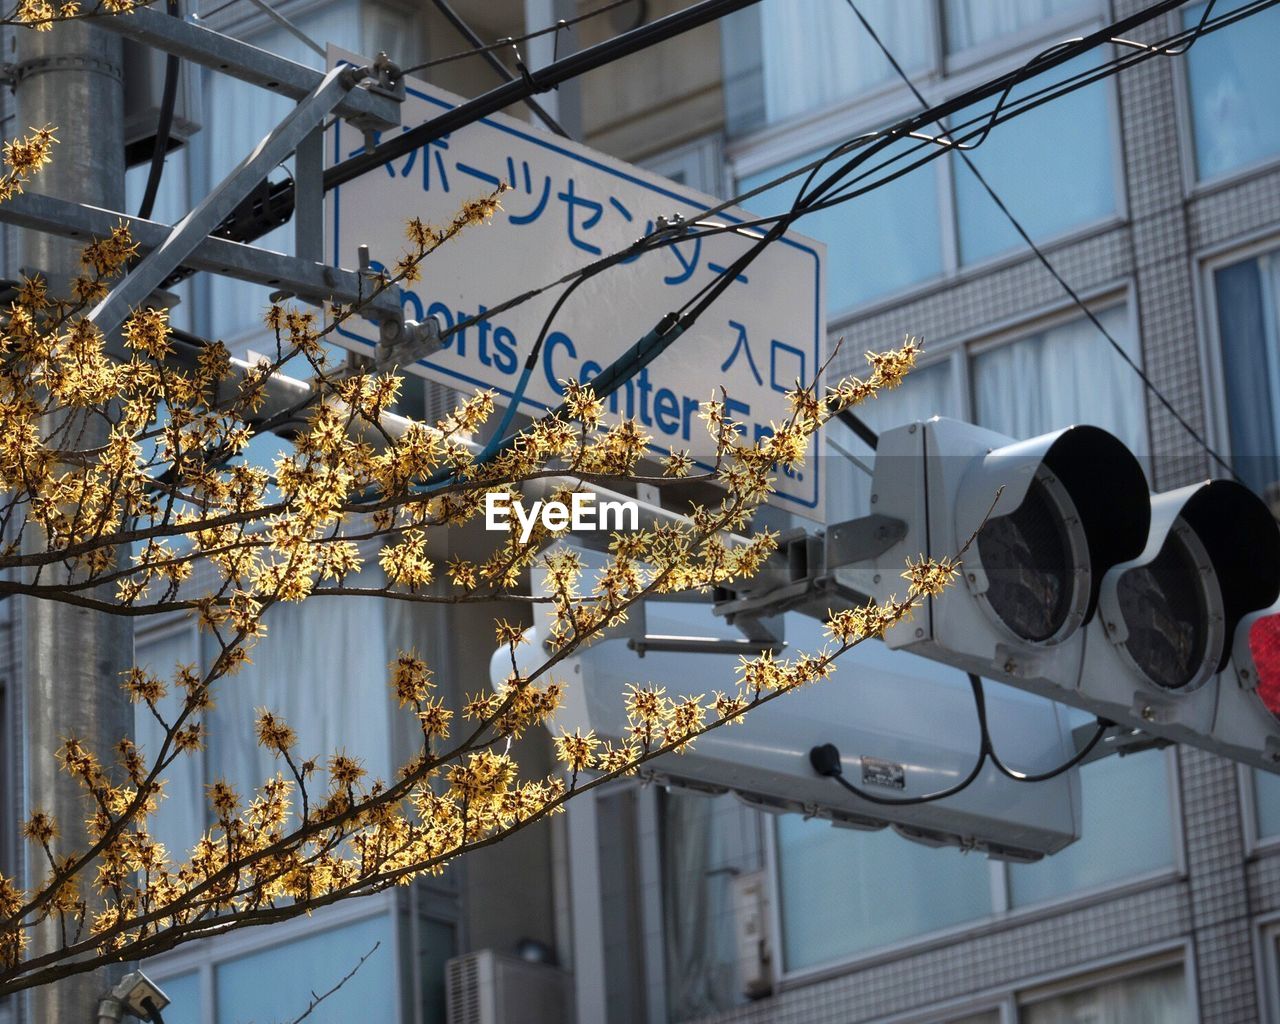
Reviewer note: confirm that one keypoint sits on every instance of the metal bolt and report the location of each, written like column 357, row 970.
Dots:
column 1148, row 713
column 875, row 498
column 1111, row 627
column 875, row 578
column 1010, row 665
column 973, row 578
column 919, row 631
column 911, row 429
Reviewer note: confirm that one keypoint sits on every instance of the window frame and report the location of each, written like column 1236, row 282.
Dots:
column 1193, row 185
column 1266, row 968
column 204, row 956
column 1255, row 844
column 997, row 920
column 822, row 128
column 1180, row 952
column 1205, row 264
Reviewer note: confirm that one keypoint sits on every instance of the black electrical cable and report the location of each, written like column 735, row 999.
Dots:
column 662, row 336
column 164, row 126
column 463, row 29
column 825, row 760
column 1039, row 253
column 541, row 80
column 560, row 26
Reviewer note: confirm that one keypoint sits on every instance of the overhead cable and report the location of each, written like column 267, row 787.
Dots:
column 1039, row 253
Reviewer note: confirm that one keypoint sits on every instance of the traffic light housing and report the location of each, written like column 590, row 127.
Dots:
column 1035, row 522
column 904, row 729
column 1078, row 584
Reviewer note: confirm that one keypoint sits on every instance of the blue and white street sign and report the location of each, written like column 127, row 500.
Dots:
column 567, row 206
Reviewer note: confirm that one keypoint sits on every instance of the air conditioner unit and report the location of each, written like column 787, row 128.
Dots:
column 487, row 987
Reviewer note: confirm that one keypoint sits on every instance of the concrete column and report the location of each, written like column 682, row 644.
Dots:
column 70, row 77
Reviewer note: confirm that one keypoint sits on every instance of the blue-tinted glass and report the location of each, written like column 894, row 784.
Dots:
column 877, row 243
column 276, row 984
column 1233, row 78
column 1266, row 793
column 1249, row 329
column 1126, row 831
column 183, row 991
column 1052, row 167
column 844, row 892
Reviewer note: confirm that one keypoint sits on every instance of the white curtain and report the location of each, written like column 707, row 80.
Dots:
column 323, row 667
column 816, row 52
column 1066, row 375
column 924, row 393
column 970, row 22
column 706, row 840
column 1156, row 998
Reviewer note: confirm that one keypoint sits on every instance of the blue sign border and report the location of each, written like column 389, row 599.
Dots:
column 813, row 464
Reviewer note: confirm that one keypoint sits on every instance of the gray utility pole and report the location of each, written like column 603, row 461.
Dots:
column 70, row 77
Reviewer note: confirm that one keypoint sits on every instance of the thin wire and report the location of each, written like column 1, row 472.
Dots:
column 1039, row 253
column 656, row 342
column 506, row 41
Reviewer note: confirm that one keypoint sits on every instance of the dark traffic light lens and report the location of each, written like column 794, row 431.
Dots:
column 1028, row 562
column 1166, row 614
column 1264, row 646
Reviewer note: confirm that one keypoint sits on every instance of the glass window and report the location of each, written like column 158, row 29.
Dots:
column 277, row 983
column 1233, row 77
column 1060, row 376
column 437, row 943
column 973, row 22
column 1248, row 301
column 1127, row 830
column 842, row 892
column 1159, row 997
column 706, row 842
column 1062, row 149
column 183, row 991
column 1266, row 801
column 877, row 243
column 181, row 816
column 781, row 62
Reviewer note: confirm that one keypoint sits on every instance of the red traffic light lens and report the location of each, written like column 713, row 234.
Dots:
column 1264, row 647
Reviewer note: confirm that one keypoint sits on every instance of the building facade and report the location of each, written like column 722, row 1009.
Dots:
column 1156, row 195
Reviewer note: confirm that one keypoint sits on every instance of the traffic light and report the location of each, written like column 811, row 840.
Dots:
column 1247, row 724
column 904, row 729
column 1078, row 584
column 1043, row 519
column 1166, row 618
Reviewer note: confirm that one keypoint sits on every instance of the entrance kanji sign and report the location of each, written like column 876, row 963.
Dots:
column 566, row 207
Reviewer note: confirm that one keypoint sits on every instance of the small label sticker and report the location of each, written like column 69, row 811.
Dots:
column 883, row 773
